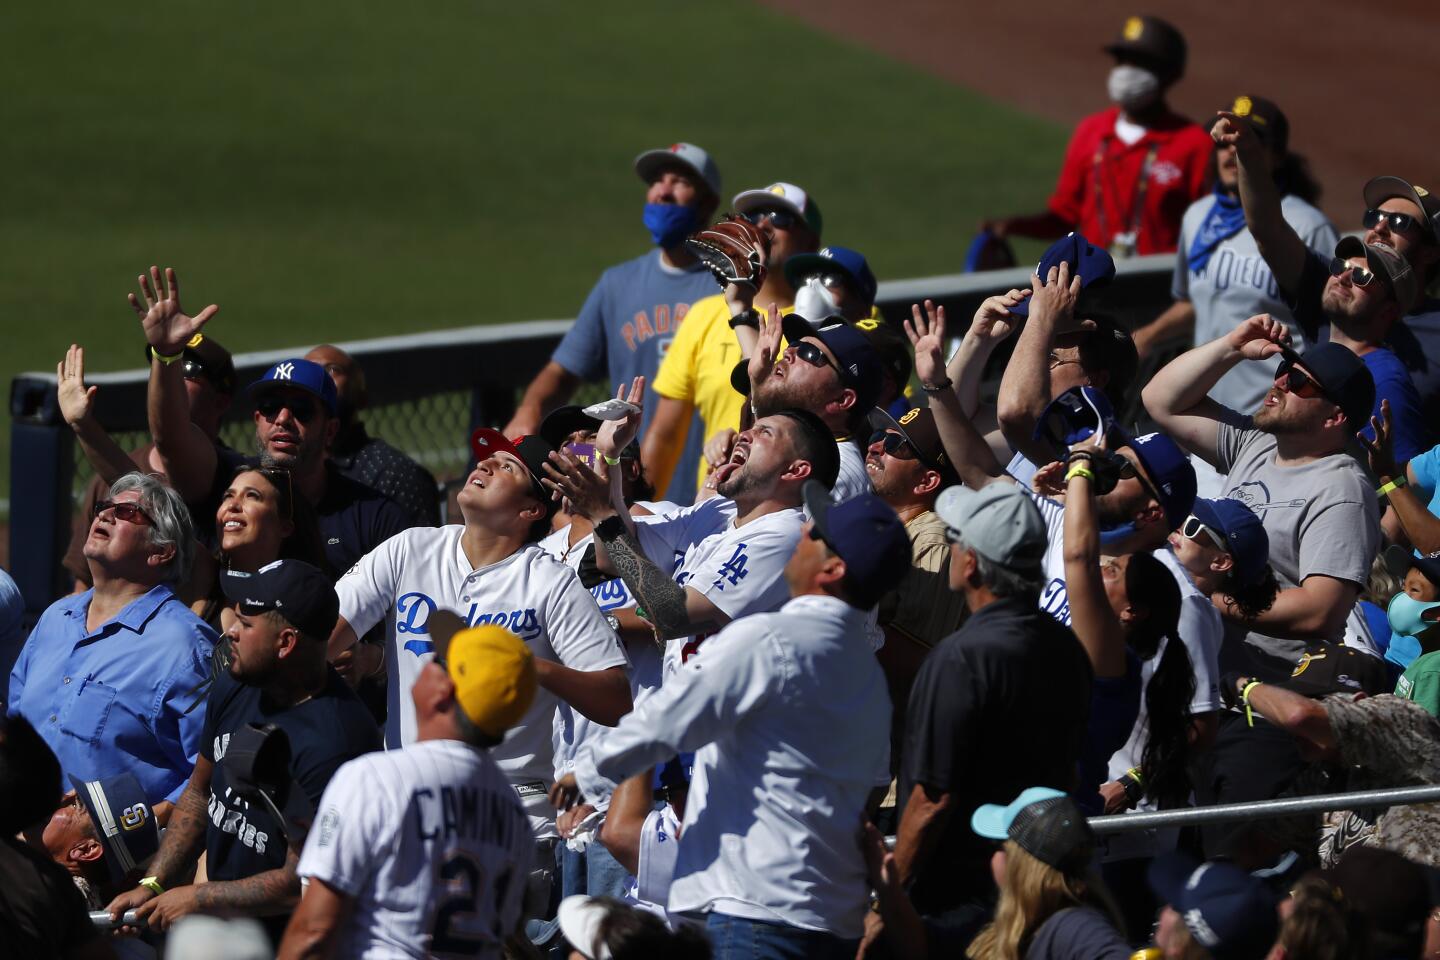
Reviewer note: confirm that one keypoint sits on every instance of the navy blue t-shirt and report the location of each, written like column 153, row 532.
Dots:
column 325, row 731
column 1114, row 708
column 623, row 331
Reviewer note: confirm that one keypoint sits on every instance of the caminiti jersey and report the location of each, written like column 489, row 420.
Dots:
column 409, row 576
column 432, row 844
column 739, row 569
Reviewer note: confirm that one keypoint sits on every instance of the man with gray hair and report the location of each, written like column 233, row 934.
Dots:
column 112, row 677
column 1011, row 675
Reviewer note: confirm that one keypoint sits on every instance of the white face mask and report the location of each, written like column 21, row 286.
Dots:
column 1131, row 87
column 814, row 302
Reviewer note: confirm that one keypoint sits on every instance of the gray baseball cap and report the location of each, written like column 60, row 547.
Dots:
column 1380, row 189
column 649, row 164
column 998, row 521
column 1388, row 263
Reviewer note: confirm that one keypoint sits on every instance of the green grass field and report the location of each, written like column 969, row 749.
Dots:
column 341, row 170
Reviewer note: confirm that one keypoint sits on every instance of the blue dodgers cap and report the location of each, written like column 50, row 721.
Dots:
column 301, row 374
column 1343, row 378
column 1227, row 911
column 852, row 263
column 1093, row 265
column 123, row 821
column 1245, row 538
column 860, row 365
column 296, row 590
column 1170, row 471
column 864, row 532
column 1075, row 415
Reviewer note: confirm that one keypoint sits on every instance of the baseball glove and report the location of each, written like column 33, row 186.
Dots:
column 733, row 250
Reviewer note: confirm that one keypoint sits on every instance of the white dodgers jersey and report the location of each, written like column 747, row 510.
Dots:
column 414, row 573
column 432, row 845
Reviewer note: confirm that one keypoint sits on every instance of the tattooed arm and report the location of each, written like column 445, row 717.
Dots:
column 676, row 611
column 181, row 844
column 269, row 892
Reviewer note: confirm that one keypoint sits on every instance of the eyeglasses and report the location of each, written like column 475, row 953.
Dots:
column 1399, row 222
column 1297, row 381
column 1359, row 276
column 1193, row 528
column 779, row 219
column 895, row 445
column 126, row 510
column 301, row 407
column 812, row 354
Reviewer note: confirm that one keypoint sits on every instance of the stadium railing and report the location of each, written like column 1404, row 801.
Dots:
column 427, row 392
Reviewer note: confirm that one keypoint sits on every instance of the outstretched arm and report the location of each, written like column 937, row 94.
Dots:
column 1095, row 624
column 187, row 454
column 77, row 403
column 552, row 386
column 973, row 459
column 1177, row 396
column 1300, row 715
column 630, row 804
column 665, row 440
column 1278, row 242
column 1420, row 525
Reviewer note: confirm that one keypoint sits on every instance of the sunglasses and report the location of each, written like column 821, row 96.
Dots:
column 124, row 510
column 1193, row 529
column 1399, row 222
column 895, row 445
column 1128, row 470
column 302, row 408
column 1359, row 276
column 194, row 369
column 812, row 354
column 779, row 219
column 1297, row 381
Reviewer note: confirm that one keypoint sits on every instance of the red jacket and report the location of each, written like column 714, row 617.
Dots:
column 1099, row 183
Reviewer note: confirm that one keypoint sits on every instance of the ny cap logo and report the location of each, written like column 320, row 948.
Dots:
column 284, row 371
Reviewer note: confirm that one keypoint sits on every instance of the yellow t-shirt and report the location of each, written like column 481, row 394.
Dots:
column 698, row 365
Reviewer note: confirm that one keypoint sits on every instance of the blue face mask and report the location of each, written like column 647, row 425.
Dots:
column 1407, row 615
column 669, row 223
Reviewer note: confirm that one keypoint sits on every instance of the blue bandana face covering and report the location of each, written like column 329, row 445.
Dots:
column 669, row 223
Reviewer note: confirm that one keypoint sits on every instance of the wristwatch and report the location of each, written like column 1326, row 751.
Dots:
column 610, row 528
column 746, row 318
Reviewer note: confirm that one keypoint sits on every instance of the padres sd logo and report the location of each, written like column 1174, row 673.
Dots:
column 196, row 340
column 1133, row 28
column 868, row 324
column 1305, row 659
column 133, row 817
column 910, row 414
column 1242, row 107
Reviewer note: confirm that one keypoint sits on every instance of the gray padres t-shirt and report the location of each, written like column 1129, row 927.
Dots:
column 1322, row 518
column 1237, row 284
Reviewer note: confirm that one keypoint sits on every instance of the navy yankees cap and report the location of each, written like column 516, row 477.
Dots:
column 1227, row 911
column 850, row 263
column 302, row 374
column 123, row 821
column 856, row 357
column 296, row 590
column 1093, row 265
column 864, row 532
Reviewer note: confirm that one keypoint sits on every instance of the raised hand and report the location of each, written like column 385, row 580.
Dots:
column 1231, row 130
column 1053, row 301
column 718, row 447
column 1259, row 337
column 927, row 336
column 993, row 321
column 768, row 346
column 1049, row 480
column 1381, row 450
column 76, row 399
column 167, row 327
column 586, row 492
column 615, row 435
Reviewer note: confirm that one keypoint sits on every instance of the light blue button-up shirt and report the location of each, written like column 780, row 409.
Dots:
column 128, row 696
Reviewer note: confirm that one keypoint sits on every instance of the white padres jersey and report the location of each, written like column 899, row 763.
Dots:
column 739, row 569
column 432, row 844
column 853, row 479
column 405, row 579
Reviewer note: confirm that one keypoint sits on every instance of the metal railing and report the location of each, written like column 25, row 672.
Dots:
column 427, row 392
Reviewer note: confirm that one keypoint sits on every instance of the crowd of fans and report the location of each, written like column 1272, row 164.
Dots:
column 804, row 645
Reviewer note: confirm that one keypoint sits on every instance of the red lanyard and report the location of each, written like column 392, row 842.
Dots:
column 1137, row 203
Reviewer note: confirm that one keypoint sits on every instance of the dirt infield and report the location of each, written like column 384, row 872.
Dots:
column 1358, row 83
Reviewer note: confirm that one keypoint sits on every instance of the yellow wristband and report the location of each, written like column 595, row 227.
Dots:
column 1245, row 699
column 613, row 461
column 164, row 359
column 1134, row 774
column 1078, row 470
column 153, row 885
column 1395, row 484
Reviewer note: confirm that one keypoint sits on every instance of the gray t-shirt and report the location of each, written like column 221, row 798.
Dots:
column 1237, row 284
column 1322, row 518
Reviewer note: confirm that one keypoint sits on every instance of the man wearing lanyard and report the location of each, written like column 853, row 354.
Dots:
column 1130, row 170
